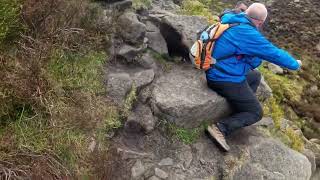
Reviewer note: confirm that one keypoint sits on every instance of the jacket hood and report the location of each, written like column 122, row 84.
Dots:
column 235, row 18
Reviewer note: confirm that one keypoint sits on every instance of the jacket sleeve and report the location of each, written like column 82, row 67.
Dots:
column 255, row 44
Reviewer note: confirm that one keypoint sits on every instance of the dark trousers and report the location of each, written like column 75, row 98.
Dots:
column 241, row 96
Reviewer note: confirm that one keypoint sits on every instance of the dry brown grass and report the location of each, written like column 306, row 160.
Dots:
column 52, row 98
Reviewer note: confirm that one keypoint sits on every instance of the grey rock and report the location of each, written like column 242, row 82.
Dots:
column 131, row 29
column 145, row 94
column 165, row 5
column 129, row 52
column 120, row 5
column 270, row 159
column 183, row 97
column 153, row 178
column 142, row 115
column 266, row 122
column 264, row 92
column 275, row 68
column 312, row 159
column 286, row 124
column 138, row 169
column 151, row 27
column 156, row 40
column 177, row 177
column 166, row 162
column 126, row 154
column 315, row 140
column 92, row 145
column 314, row 89
column 184, row 154
column 118, row 85
column 315, row 148
column 160, row 173
column 143, row 78
column 316, row 175
column 202, row 161
column 187, row 26
column 147, row 61
column 318, row 47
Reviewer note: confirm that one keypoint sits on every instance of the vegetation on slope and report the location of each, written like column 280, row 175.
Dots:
column 209, row 9
column 54, row 115
column 285, row 91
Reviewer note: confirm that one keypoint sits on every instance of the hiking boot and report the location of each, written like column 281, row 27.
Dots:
column 218, row 136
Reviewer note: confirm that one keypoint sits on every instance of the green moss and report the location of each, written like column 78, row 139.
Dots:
column 199, row 8
column 296, row 141
column 129, row 101
column 141, row 4
column 10, row 25
column 187, row 136
column 282, row 87
column 273, row 109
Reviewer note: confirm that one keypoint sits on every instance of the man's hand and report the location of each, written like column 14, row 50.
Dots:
column 299, row 62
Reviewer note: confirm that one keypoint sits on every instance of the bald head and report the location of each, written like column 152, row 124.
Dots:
column 257, row 11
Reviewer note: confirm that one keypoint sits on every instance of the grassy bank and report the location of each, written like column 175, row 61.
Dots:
column 54, row 114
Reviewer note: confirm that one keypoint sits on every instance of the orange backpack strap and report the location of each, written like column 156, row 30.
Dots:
column 222, row 28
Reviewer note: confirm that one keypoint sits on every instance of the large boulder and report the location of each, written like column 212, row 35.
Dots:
column 155, row 39
column 120, row 83
column 131, row 29
column 183, row 97
column 179, row 31
column 187, row 26
column 270, row 159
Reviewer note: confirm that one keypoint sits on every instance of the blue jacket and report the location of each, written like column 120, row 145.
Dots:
column 245, row 40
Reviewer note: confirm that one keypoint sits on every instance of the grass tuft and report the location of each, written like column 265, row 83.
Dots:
column 74, row 71
column 141, row 4
column 284, row 90
column 187, row 136
column 194, row 7
column 129, row 101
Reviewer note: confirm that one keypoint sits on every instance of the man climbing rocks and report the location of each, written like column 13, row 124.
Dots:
column 238, row 52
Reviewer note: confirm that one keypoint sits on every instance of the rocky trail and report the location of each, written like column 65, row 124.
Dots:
column 168, row 91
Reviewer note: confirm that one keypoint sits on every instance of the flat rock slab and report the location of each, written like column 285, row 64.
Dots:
column 183, row 97
column 253, row 156
column 270, row 159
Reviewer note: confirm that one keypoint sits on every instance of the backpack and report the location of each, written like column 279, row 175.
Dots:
column 201, row 50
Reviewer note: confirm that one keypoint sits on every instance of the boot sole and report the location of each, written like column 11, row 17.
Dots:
column 216, row 138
